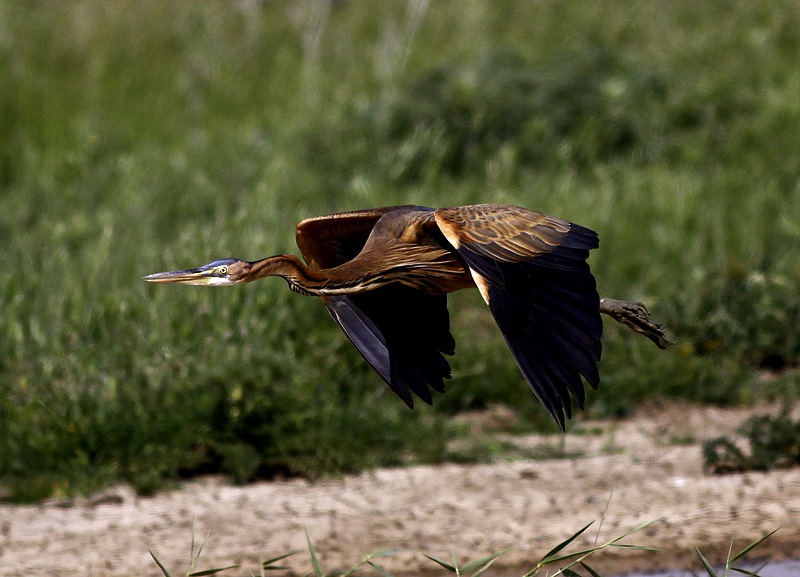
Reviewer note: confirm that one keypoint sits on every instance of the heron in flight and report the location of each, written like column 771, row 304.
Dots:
column 384, row 275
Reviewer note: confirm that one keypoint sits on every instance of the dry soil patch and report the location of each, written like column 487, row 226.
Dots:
column 650, row 466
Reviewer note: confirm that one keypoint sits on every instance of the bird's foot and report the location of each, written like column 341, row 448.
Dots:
column 636, row 316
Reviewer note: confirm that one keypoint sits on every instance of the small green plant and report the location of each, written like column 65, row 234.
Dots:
column 473, row 568
column 193, row 557
column 733, row 558
column 564, row 563
column 577, row 559
column 568, row 563
column 774, row 442
column 368, row 560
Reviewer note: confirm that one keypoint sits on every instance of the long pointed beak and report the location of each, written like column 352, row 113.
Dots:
column 195, row 276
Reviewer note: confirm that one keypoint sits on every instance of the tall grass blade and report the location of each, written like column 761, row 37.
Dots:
column 560, row 547
column 192, row 556
column 483, row 569
column 634, row 547
column 200, row 549
column 589, row 570
column 473, row 565
column 582, row 553
column 638, row 528
column 603, row 517
column 442, row 563
column 752, row 546
column 386, row 553
column 160, row 565
column 709, row 569
column 383, row 572
column 746, row 572
column 211, row 571
column 314, row 560
column 269, row 564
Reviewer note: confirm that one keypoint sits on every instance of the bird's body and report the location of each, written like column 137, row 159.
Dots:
column 400, row 246
column 384, row 275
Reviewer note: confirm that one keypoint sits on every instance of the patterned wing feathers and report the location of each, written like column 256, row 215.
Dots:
column 512, row 234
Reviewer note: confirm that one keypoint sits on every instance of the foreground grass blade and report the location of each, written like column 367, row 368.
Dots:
column 383, row 572
column 589, row 570
column 709, row 569
column 746, row 572
column 269, row 564
column 211, row 571
column 160, row 565
column 387, row 553
column 314, row 560
column 442, row 563
column 483, row 569
column 579, row 556
column 202, row 573
column 482, row 564
column 733, row 558
column 367, row 560
column 752, row 546
column 560, row 547
column 194, row 557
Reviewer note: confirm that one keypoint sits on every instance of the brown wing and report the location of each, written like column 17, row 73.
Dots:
column 532, row 271
column 510, row 233
column 328, row 241
column 402, row 333
column 383, row 324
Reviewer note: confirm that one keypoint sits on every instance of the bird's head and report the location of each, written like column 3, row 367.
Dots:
column 223, row 272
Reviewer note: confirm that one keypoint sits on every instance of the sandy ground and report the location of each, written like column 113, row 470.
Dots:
column 646, row 465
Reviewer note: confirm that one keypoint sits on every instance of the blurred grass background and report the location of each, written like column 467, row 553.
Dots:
column 145, row 136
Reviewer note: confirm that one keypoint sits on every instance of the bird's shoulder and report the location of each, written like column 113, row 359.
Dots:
column 330, row 240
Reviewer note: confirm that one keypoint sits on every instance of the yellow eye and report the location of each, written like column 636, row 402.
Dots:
column 223, row 270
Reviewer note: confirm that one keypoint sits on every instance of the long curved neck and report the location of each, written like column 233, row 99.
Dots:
column 349, row 278
column 433, row 271
column 305, row 280
column 289, row 267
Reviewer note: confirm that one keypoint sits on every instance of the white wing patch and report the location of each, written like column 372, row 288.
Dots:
column 449, row 231
column 482, row 284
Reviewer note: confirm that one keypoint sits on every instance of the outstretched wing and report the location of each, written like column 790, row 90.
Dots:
column 402, row 333
column 328, row 241
column 532, row 271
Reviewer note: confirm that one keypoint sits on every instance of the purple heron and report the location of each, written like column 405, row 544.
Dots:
column 384, row 275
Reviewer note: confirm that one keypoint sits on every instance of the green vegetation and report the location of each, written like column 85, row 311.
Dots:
column 560, row 559
column 772, row 442
column 146, row 136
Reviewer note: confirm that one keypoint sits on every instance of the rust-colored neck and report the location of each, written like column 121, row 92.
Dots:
column 289, row 267
column 429, row 269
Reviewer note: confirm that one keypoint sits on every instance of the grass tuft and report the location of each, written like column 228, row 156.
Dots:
column 557, row 561
column 771, row 442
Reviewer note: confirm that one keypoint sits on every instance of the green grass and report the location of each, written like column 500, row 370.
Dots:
column 771, row 442
column 144, row 136
column 562, row 559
